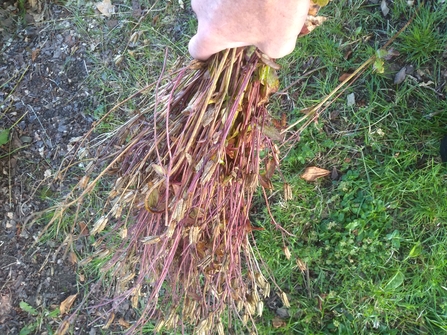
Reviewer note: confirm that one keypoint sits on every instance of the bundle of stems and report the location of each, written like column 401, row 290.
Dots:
column 185, row 170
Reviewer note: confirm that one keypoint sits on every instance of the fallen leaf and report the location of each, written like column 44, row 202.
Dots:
column 344, row 76
column 311, row 23
column 315, row 6
column 312, row 173
column 277, row 322
column 4, row 136
column 123, row 323
column 265, row 182
column 270, row 168
column 273, row 133
column 34, row 54
column 400, row 76
column 63, row 328
column 66, row 304
column 73, row 258
column 384, row 8
column 106, row 8
column 83, row 229
column 109, row 321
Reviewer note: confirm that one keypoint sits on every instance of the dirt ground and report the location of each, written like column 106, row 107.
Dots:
column 46, row 103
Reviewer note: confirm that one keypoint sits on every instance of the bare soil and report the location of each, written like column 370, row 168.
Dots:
column 45, row 102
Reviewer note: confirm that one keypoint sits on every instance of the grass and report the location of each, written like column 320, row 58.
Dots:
column 369, row 250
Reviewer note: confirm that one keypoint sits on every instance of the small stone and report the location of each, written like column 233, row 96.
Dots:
column 283, row 313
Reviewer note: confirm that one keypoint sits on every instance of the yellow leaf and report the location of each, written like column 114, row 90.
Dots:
column 66, row 304
column 312, row 173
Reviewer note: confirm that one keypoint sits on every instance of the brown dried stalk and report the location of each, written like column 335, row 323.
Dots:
column 186, row 169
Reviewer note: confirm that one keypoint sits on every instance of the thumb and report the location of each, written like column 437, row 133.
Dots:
column 200, row 49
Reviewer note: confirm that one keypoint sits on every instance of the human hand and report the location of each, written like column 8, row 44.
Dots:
column 271, row 25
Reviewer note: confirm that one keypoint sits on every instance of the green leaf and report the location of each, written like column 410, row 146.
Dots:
column 4, row 136
column 415, row 251
column 27, row 308
column 28, row 329
column 321, row 3
column 54, row 313
column 396, row 281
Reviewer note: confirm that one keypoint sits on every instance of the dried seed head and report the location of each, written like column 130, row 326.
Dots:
column 260, row 280
column 136, row 294
column 124, row 280
column 245, row 318
column 150, row 239
column 99, row 226
column 260, row 308
column 250, row 307
column 194, row 234
column 220, row 328
column 286, row 252
column 123, row 233
column 288, row 195
column 301, row 265
column 284, row 299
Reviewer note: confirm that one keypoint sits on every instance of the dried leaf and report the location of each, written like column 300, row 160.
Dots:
column 151, row 201
column 34, row 54
column 83, row 229
column 159, row 170
column 400, row 76
column 287, row 252
column 123, row 323
column 63, row 328
column 109, row 321
column 66, row 304
column 270, row 168
column 315, row 6
column 311, row 23
column 384, row 8
column 265, row 182
column 106, row 8
column 73, row 258
column 344, row 76
column 277, row 322
column 272, row 133
column 312, row 173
